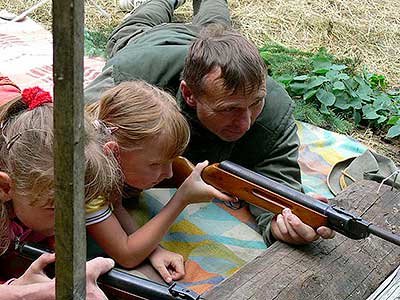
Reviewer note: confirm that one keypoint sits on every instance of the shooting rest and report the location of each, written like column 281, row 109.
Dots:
column 337, row 269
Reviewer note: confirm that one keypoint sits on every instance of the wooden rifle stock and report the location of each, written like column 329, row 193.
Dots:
column 275, row 197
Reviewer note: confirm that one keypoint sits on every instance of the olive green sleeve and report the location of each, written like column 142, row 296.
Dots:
column 282, row 166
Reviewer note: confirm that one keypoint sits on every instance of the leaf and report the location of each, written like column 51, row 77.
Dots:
column 377, row 81
column 298, row 88
column 301, row 78
column 338, row 67
column 393, row 120
column 351, row 83
column 338, row 85
column 359, row 79
column 324, row 110
column 342, row 101
column 352, row 93
column 370, row 112
column 381, row 119
column 393, row 131
column 309, row 94
column 321, row 65
column 332, row 75
column 357, row 117
column 343, row 76
column 356, row 103
column 364, row 91
column 316, row 81
column 326, row 98
column 285, row 78
column 382, row 101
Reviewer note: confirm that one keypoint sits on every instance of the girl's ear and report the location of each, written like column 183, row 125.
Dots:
column 5, row 187
column 187, row 94
column 112, row 147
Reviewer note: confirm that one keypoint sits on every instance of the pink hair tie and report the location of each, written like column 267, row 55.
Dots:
column 35, row 96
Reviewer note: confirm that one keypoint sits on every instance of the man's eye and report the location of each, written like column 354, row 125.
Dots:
column 257, row 102
column 229, row 109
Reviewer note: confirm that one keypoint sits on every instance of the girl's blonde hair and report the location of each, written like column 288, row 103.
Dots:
column 27, row 156
column 136, row 110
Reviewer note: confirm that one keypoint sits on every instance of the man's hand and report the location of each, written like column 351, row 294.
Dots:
column 288, row 228
column 35, row 272
column 94, row 268
column 169, row 264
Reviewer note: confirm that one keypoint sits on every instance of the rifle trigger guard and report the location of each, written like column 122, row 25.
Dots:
column 235, row 205
column 178, row 290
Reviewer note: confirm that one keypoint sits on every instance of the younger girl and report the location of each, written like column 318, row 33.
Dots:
column 146, row 132
column 26, row 159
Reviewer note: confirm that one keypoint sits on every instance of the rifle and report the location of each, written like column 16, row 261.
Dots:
column 268, row 194
column 118, row 284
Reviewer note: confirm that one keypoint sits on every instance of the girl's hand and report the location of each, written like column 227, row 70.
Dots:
column 169, row 264
column 195, row 190
column 35, row 273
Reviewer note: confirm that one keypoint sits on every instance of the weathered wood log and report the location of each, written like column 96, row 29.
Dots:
column 69, row 159
column 335, row 269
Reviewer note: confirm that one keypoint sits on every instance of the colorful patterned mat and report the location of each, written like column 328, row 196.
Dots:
column 216, row 241
column 319, row 150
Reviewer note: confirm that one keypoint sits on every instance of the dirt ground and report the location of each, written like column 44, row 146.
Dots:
column 380, row 144
column 366, row 30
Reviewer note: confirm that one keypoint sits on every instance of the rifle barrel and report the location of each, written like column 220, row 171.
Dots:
column 386, row 235
column 135, row 285
column 116, row 279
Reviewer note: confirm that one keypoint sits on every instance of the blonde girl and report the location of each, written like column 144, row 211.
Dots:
column 26, row 161
column 146, row 132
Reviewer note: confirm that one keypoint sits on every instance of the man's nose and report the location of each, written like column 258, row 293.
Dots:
column 243, row 120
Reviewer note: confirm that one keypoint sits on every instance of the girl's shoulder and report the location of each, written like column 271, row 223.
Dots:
column 97, row 210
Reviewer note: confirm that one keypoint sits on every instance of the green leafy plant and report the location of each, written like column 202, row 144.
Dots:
column 95, row 42
column 337, row 91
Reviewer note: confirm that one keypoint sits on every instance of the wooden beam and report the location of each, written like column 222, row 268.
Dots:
column 68, row 26
column 335, row 269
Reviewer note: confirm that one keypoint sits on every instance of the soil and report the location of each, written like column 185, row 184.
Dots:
column 379, row 143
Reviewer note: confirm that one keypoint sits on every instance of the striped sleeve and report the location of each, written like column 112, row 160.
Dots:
column 99, row 215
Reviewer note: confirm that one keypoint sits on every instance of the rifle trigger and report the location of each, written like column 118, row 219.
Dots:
column 178, row 290
column 235, row 205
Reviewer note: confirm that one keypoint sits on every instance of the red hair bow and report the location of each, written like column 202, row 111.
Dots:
column 35, row 96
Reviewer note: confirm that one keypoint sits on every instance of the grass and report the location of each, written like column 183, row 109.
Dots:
column 362, row 33
column 366, row 31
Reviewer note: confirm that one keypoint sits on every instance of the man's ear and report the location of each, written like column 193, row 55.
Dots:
column 5, row 187
column 112, row 147
column 187, row 94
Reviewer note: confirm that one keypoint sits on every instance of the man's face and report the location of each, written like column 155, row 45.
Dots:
column 227, row 115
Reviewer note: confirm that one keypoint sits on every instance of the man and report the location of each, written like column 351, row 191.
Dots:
column 235, row 110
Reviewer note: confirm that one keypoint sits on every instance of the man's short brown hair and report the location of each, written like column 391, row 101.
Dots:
column 242, row 67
